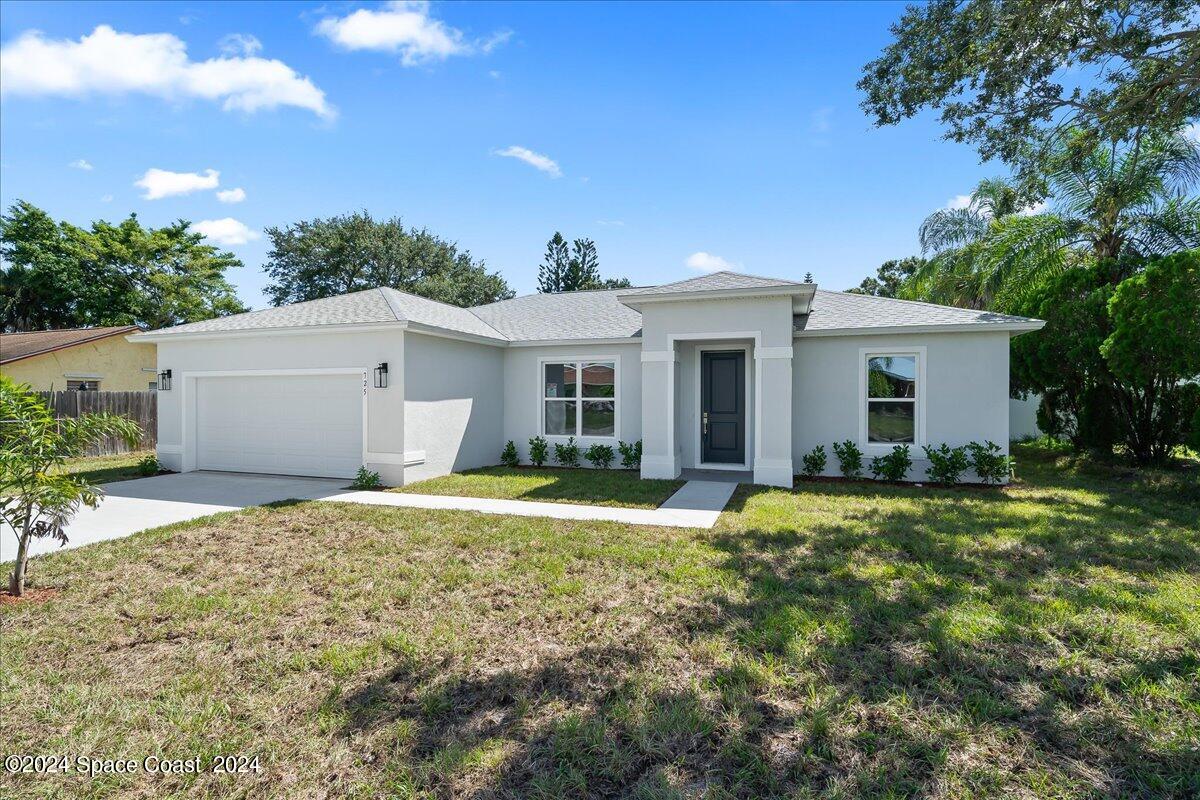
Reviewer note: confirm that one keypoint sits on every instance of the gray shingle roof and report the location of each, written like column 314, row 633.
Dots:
column 713, row 282
column 840, row 310
column 581, row 315
column 571, row 315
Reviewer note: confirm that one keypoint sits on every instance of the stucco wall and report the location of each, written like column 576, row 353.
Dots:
column 966, row 391
column 385, row 407
column 523, row 386
column 453, row 404
column 118, row 362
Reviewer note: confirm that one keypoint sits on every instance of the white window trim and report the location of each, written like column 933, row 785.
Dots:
column 919, row 438
column 541, row 398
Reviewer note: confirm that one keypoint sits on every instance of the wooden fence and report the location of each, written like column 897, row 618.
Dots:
column 141, row 407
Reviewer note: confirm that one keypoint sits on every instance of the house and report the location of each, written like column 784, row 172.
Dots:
column 724, row 371
column 86, row 359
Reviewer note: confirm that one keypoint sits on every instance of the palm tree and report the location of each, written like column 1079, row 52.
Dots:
column 1110, row 201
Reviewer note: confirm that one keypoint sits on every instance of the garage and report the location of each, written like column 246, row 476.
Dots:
column 280, row 424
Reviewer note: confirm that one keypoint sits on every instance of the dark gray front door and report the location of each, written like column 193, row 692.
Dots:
column 723, row 407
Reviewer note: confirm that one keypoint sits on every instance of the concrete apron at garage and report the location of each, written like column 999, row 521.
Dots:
column 131, row 506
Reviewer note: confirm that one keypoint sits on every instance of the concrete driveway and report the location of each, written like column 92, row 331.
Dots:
column 132, row 506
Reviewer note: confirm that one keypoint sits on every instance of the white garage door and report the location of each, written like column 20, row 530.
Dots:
column 285, row 425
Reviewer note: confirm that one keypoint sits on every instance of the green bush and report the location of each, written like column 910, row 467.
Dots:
column 989, row 462
column 850, row 458
column 567, row 455
column 946, row 463
column 894, row 466
column 814, row 462
column 601, row 456
column 365, row 479
column 509, row 456
column 539, row 451
column 631, row 454
column 149, row 466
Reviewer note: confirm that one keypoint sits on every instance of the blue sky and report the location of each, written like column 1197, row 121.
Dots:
column 659, row 131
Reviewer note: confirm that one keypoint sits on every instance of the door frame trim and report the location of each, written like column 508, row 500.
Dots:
column 746, row 350
column 187, row 400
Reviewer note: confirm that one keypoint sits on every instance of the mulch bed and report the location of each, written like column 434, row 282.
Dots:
column 34, row 595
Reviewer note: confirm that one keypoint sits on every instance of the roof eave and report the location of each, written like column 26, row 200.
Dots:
column 802, row 291
column 165, row 334
column 1012, row 328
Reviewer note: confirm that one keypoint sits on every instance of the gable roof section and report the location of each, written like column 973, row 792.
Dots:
column 380, row 306
column 713, row 282
column 833, row 312
column 16, row 346
column 570, row 315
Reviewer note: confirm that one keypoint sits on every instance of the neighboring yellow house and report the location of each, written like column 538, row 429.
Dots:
column 81, row 358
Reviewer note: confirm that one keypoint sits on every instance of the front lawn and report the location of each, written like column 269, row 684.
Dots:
column 612, row 487
column 839, row 640
column 107, row 469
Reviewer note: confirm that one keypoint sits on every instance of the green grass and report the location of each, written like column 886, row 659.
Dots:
column 835, row 641
column 107, row 469
column 612, row 487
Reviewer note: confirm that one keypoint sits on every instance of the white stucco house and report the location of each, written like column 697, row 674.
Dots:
column 724, row 371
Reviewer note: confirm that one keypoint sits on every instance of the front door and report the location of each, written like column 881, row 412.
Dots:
column 723, row 407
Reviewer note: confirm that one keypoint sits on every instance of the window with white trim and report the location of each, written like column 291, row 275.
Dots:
column 892, row 387
column 579, row 398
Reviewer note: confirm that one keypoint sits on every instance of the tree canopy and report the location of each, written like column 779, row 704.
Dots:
column 319, row 258
column 57, row 275
column 1008, row 75
column 888, row 279
column 573, row 269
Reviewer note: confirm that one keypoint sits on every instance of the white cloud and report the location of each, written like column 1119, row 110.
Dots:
column 160, row 183
column 494, row 74
column 958, row 202
column 535, row 160
column 107, row 198
column 232, row 195
column 707, row 262
column 820, row 121
column 109, row 62
column 81, row 163
column 405, row 28
column 611, row 223
column 226, row 232
column 1033, row 210
column 239, row 44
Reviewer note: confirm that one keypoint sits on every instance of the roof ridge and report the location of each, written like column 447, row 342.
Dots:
column 557, row 294
column 386, row 291
column 924, row 303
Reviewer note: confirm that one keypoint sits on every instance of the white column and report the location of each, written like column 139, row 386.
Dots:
column 659, row 458
column 773, row 416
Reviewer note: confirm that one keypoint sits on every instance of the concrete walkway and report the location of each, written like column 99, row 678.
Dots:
column 135, row 505
column 697, row 504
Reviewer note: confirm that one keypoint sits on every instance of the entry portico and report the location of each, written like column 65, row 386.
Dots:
column 717, row 374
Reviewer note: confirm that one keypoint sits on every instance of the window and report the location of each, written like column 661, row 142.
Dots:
column 579, row 398
column 83, row 386
column 152, row 386
column 892, row 386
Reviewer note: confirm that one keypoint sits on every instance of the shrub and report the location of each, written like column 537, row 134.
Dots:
column 631, row 454
column 539, row 451
column 946, row 463
column 894, row 466
column 36, row 499
column 509, row 456
column 601, row 456
column 149, row 466
column 567, row 454
column 850, row 458
column 814, row 462
column 365, row 479
column 989, row 463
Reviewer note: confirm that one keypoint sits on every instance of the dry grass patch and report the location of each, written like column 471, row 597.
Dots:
column 835, row 641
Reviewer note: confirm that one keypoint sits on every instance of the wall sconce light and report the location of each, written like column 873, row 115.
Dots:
column 381, row 373
column 164, row 380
